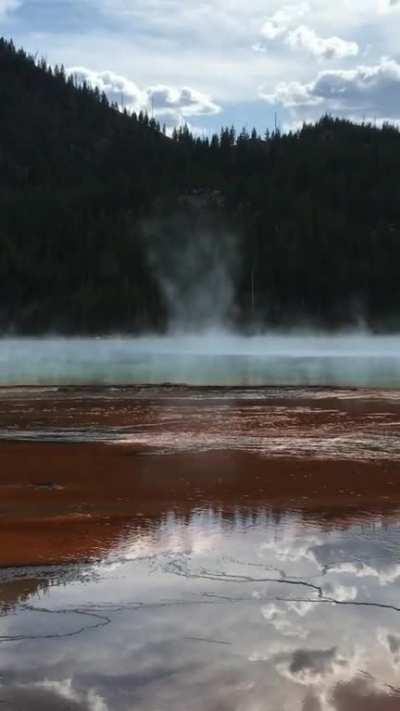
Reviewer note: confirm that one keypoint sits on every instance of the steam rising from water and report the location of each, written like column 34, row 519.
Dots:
column 194, row 259
column 211, row 358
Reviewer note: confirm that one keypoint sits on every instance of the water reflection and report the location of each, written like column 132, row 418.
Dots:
column 241, row 609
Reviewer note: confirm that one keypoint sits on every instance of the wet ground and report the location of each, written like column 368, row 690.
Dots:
column 182, row 548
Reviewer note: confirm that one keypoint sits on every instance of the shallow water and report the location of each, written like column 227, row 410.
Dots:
column 328, row 424
column 212, row 549
column 255, row 609
column 215, row 358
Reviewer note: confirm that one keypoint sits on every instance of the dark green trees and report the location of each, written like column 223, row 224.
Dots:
column 310, row 220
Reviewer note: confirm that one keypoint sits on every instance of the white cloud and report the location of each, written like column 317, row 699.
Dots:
column 386, row 6
column 330, row 48
column 7, row 6
column 54, row 692
column 168, row 104
column 316, row 667
column 186, row 102
column 65, row 690
column 206, row 46
column 365, row 91
column 282, row 25
column 343, row 593
column 117, row 88
column 291, row 94
column 386, row 574
column 214, row 22
column 259, row 47
column 279, row 23
column 278, row 617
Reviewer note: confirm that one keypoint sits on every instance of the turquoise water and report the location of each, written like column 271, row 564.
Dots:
column 210, row 359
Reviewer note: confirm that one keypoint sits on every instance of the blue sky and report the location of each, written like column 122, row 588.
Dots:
column 216, row 62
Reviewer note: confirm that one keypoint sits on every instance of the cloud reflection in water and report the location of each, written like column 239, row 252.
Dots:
column 213, row 612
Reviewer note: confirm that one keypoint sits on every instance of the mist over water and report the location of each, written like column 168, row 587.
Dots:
column 193, row 258
column 214, row 357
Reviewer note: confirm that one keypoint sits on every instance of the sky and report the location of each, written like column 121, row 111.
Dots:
column 210, row 63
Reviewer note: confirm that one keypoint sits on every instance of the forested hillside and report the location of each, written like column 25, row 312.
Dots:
column 97, row 207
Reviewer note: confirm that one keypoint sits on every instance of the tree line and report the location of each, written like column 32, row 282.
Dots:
column 84, row 188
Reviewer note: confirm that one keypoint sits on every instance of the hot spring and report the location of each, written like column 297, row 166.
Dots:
column 215, row 358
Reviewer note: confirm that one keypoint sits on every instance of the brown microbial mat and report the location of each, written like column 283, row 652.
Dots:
column 178, row 548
